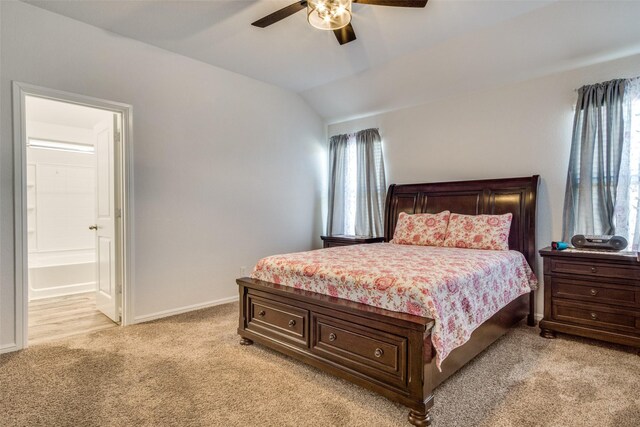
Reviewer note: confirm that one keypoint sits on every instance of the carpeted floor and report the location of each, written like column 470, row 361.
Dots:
column 189, row 370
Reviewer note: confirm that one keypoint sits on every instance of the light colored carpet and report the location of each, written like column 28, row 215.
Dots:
column 189, row 370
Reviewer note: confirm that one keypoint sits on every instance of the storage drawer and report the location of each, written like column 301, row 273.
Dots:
column 377, row 354
column 598, row 316
column 597, row 292
column 278, row 320
column 594, row 269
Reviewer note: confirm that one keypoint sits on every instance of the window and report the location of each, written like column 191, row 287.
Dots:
column 603, row 183
column 357, row 184
column 634, row 188
column 351, row 184
column 351, row 187
column 628, row 195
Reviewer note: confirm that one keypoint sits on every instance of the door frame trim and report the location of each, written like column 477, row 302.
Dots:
column 124, row 191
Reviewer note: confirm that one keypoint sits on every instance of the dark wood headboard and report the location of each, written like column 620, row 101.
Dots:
column 491, row 196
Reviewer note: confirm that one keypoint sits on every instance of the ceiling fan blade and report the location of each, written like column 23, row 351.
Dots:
column 280, row 14
column 345, row 34
column 397, row 3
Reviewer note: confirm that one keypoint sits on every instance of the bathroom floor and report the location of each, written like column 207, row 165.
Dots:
column 60, row 317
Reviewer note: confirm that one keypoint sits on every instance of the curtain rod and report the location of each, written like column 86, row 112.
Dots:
column 630, row 78
column 354, row 133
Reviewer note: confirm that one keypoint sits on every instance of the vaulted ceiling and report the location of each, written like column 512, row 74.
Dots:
column 401, row 57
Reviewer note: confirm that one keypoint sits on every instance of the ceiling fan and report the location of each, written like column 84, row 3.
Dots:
column 333, row 15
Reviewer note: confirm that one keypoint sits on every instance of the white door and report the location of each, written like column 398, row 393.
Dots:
column 107, row 292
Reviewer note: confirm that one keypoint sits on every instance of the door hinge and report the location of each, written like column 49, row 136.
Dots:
column 118, row 213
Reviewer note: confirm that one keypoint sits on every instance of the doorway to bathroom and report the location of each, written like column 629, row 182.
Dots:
column 73, row 212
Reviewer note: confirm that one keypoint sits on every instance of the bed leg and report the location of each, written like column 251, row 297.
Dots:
column 547, row 333
column 246, row 341
column 420, row 419
column 531, row 320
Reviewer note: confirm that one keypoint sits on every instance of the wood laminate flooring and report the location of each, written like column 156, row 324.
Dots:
column 61, row 317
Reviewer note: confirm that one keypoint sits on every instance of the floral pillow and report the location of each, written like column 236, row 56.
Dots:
column 479, row 231
column 421, row 229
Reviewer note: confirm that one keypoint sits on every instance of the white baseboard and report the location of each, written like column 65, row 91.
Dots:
column 60, row 291
column 8, row 348
column 174, row 311
column 539, row 317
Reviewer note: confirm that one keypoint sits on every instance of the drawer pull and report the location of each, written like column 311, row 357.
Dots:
column 378, row 353
column 594, row 316
column 594, row 292
column 292, row 323
column 594, row 269
column 332, row 336
column 262, row 313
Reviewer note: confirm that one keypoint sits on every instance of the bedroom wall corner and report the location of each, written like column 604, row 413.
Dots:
column 226, row 168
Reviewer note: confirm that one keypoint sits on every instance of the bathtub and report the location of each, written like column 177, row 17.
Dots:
column 56, row 274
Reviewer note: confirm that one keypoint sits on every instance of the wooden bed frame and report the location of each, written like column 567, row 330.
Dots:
column 388, row 352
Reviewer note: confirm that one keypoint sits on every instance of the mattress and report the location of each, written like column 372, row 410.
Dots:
column 458, row 288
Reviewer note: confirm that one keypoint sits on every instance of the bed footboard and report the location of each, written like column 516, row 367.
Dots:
column 377, row 349
column 387, row 352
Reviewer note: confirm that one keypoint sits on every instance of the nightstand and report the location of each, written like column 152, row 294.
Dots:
column 342, row 240
column 592, row 294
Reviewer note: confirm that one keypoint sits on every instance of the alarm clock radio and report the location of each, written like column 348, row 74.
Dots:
column 607, row 243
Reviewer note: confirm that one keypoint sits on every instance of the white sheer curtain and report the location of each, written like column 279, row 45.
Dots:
column 627, row 209
column 351, row 186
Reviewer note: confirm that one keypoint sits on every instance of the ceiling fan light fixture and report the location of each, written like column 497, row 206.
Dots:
column 329, row 14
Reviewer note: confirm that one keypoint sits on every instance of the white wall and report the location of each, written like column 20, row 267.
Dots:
column 61, row 193
column 226, row 169
column 516, row 130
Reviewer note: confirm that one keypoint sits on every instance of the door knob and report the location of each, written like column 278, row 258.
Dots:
column 93, row 227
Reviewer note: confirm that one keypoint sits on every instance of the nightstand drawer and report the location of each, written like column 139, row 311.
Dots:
column 342, row 240
column 596, row 292
column 592, row 294
column 598, row 316
column 594, row 269
column 328, row 244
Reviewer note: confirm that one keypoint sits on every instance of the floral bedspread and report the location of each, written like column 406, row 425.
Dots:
column 458, row 288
